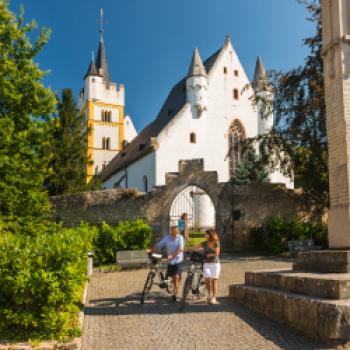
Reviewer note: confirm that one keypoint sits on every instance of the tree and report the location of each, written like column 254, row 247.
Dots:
column 25, row 106
column 299, row 135
column 250, row 170
column 69, row 149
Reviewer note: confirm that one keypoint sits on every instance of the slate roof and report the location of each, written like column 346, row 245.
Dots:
column 143, row 143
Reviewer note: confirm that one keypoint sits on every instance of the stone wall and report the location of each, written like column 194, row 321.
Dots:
column 253, row 204
column 237, row 210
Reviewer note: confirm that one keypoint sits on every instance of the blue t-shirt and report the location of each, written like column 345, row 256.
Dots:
column 172, row 244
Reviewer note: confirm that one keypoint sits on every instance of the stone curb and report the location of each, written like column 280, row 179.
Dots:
column 73, row 345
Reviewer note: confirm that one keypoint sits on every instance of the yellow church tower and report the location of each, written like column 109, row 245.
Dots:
column 103, row 104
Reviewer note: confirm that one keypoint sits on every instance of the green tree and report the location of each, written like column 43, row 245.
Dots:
column 68, row 148
column 251, row 169
column 299, row 135
column 25, row 105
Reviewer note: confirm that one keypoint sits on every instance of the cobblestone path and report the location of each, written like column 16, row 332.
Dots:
column 114, row 319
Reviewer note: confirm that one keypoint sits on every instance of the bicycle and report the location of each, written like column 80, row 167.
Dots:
column 194, row 279
column 156, row 270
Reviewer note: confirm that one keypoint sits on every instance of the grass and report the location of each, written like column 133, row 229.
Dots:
column 194, row 241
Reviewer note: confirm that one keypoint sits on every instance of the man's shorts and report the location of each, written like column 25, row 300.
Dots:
column 174, row 270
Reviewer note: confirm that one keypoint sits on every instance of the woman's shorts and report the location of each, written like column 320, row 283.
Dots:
column 211, row 270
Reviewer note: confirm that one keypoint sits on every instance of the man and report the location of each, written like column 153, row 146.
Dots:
column 174, row 244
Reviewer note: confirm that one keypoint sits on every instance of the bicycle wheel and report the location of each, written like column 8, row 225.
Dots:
column 147, row 287
column 185, row 291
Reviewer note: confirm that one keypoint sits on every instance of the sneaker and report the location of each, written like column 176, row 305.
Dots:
column 214, row 301
column 174, row 298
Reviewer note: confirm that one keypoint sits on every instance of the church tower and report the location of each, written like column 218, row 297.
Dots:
column 197, row 86
column 103, row 103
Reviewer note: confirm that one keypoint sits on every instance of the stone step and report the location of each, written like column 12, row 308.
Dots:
column 326, row 261
column 323, row 319
column 323, row 285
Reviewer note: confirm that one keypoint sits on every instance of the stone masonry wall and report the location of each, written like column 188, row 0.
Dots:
column 237, row 210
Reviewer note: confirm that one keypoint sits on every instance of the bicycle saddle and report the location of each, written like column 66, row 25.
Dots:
column 156, row 256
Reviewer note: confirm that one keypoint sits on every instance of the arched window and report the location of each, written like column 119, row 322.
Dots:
column 235, row 94
column 235, row 139
column 193, row 137
column 145, row 183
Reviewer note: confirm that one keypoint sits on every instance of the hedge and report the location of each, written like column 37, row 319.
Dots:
column 41, row 282
column 274, row 234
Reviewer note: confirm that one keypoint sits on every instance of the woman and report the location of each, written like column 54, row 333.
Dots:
column 211, row 267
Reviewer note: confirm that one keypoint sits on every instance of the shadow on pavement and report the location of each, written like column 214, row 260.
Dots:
column 161, row 304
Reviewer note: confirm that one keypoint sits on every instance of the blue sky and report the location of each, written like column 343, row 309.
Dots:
column 149, row 43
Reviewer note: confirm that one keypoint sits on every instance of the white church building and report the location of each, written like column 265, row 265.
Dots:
column 206, row 115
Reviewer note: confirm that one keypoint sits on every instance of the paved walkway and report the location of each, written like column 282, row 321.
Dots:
column 114, row 319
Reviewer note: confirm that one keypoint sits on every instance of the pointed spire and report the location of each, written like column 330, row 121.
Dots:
column 92, row 70
column 260, row 81
column 196, row 66
column 227, row 40
column 101, row 61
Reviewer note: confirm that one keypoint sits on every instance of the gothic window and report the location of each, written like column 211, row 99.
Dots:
column 225, row 70
column 235, row 72
column 193, row 137
column 236, row 138
column 235, row 94
column 145, row 183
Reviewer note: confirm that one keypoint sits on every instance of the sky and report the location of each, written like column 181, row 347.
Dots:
column 149, row 43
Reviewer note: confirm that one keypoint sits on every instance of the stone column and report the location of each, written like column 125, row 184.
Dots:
column 336, row 53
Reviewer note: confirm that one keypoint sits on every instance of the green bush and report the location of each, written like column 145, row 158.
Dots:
column 128, row 235
column 41, row 282
column 274, row 234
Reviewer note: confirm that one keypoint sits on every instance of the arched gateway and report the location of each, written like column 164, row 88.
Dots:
column 191, row 174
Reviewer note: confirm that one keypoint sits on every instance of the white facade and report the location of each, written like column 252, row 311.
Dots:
column 222, row 98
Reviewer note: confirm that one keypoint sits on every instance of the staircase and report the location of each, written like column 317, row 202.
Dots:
column 316, row 303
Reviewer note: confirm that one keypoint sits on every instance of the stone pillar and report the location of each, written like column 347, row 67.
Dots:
column 336, row 53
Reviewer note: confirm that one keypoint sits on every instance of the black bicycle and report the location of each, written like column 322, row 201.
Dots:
column 194, row 280
column 157, row 270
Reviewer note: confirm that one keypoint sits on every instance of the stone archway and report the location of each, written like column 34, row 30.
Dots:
column 191, row 173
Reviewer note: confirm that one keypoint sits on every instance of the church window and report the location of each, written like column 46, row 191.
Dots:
column 235, row 72
column 225, row 70
column 193, row 137
column 235, row 94
column 106, row 116
column 106, row 143
column 236, row 139
column 104, row 164
column 145, row 183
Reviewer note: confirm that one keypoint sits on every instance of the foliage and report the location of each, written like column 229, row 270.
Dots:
column 68, row 148
column 251, row 169
column 273, row 235
column 41, row 281
column 128, row 235
column 25, row 104
column 299, row 135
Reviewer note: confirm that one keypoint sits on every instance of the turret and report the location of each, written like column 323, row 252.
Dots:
column 197, row 86
column 264, row 96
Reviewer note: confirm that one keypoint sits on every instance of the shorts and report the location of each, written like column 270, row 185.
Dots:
column 211, row 270
column 174, row 270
